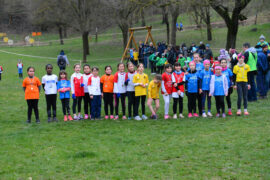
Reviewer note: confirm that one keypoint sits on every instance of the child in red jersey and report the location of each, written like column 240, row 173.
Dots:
column 178, row 79
column 77, row 90
column 166, row 86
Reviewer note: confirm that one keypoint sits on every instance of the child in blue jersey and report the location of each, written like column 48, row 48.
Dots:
column 219, row 89
column 199, row 67
column 197, row 60
column 229, row 75
column 63, row 87
column 205, row 76
column 193, row 82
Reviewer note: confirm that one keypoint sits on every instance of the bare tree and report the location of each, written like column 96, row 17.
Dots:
column 232, row 21
column 84, row 13
column 50, row 13
column 122, row 10
column 201, row 9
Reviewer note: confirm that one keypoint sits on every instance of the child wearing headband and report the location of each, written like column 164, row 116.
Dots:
column 205, row 76
column 241, row 78
column 219, row 89
column 193, row 82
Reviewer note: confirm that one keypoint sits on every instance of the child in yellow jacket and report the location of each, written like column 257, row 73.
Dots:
column 140, row 81
column 241, row 77
column 153, row 95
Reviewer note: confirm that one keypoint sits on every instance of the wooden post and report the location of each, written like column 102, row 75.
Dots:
column 125, row 52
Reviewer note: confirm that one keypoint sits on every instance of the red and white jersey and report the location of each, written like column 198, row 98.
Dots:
column 85, row 81
column 20, row 65
column 76, row 81
column 166, row 84
column 1, row 69
column 130, row 85
column 119, row 82
column 178, row 78
column 94, row 86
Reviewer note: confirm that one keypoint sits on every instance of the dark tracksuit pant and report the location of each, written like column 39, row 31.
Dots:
column 205, row 96
column 139, row 99
column 77, row 101
column 108, row 101
column 87, row 103
column 51, row 104
column 242, row 91
column 228, row 98
column 179, row 101
column 123, row 104
column 192, row 102
column 252, row 93
column 131, row 103
column 95, row 107
column 220, row 104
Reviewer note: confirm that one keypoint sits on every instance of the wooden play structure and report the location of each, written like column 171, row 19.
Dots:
column 131, row 38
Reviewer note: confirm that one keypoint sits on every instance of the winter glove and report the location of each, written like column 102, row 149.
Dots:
column 118, row 95
column 82, row 85
column 126, row 82
column 73, row 96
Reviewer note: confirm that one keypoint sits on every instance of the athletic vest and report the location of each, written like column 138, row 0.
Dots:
column 252, row 61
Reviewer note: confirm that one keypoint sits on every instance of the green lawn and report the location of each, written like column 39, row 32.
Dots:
column 230, row 148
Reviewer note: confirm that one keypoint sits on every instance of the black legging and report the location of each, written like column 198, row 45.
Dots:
column 87, row 102
column 123, row 103
column 228, row 98
column 242, row 91
column 175, row 102
column 137, row 104
column 131, row 103
column 51, row 104
column 199, row 98
column 77, row 101
column 32, row 104
column 0, row 76
column 192, row 102
column 108, row 101
column 65, row 106
column 220, row 104
column 160, row 69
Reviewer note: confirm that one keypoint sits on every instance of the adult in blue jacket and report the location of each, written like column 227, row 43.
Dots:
column 262, row 67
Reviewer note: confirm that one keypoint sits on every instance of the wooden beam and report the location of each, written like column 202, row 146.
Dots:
column 140, row 28
column 125, row 52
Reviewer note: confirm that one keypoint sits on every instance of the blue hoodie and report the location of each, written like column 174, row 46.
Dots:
column 193, row 82
column 206, row 77
column 64, row 84
column 228, row 73
column 262, row 63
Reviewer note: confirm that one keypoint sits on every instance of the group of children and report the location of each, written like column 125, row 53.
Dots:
column 200, row 82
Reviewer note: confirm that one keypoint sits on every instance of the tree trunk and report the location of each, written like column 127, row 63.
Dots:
column 86, row 33
column 65, row 31
column 142, row 16
column 231, row 35
column 60, row 35
column 173, row 28
column 209, row 27
column 85, row 45
column 163, row 15
column 167, row 27
column 124, row 29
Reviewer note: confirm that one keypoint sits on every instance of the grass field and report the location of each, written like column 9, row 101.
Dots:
column 230, row 148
